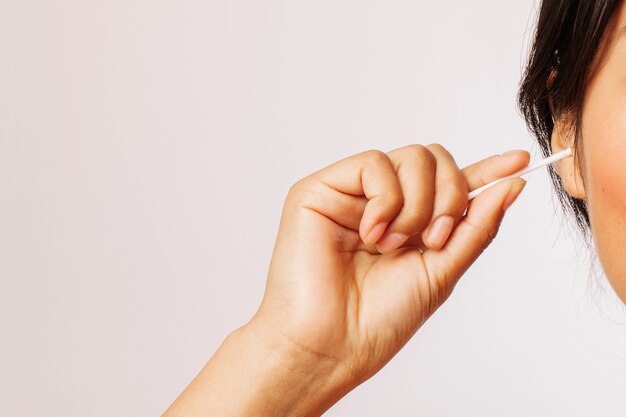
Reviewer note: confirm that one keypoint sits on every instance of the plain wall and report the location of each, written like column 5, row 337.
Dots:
column 146, row 148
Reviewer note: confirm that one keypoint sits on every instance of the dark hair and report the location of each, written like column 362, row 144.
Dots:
column 565, row 45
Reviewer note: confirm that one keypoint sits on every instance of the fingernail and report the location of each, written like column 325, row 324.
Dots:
column 439, row 231
column 376, row 232
column 513, row 194
column 513, row 152
column 391, row 241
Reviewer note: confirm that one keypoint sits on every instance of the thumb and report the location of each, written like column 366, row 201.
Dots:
column 474, row 233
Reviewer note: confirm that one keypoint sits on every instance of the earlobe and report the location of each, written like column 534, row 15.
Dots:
column 562, row 137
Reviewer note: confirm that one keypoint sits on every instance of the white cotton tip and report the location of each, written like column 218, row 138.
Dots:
column 553, row 158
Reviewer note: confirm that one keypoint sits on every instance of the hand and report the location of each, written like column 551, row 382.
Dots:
column 370, row 246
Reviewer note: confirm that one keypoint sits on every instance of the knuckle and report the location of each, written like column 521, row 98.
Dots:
column 296, row 187
column 299, row 191
column 441, row 150
column 415, row 147
column 488, row 236
column 375, row 156
column 436, row 146
column 420, row 152
column 414, row 153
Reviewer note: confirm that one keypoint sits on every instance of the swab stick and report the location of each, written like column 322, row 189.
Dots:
column 555, row 157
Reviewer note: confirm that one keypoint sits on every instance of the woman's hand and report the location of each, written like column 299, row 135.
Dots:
column 360, row 261
column 367, row 249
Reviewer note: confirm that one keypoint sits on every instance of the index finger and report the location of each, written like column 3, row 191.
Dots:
column 495, row 167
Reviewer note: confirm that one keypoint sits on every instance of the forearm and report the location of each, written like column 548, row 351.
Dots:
column 248, row 376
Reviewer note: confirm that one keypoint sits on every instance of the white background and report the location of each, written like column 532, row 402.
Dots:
column 146, row 148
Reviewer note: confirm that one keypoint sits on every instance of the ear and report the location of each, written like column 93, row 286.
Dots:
column 563, row 137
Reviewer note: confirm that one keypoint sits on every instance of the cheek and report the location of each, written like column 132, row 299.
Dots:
column 604, row 137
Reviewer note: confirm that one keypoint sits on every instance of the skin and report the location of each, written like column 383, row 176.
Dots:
column 600, row 180
column 344, row 295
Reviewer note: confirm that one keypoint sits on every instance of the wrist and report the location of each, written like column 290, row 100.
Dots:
column 256, row 372
column 288, row 378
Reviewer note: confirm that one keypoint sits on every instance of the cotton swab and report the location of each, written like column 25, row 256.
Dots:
column 555, row 157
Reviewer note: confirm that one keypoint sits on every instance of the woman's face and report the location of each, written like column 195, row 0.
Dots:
column 604, row 154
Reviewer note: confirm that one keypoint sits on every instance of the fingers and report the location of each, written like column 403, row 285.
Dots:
column 474, row 233
column 454, row 184
column 414, row 195
column 478, row 228
column 450, row 199
column 495, row 167
column 435, row 194
column 416, row 168
column 370, row 174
